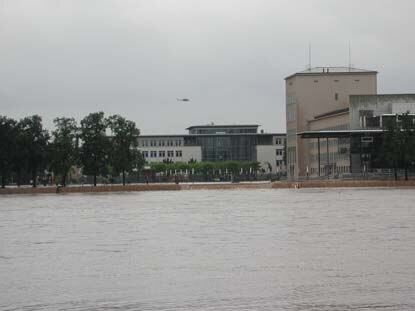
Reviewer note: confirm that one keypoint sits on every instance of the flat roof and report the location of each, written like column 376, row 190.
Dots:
column 331, row 70
column 222, row 126
column 221, row 134
column 331, row 113
column 337, row 133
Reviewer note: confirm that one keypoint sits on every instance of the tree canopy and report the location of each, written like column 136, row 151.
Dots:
column 33, row 143
column 99, row 146
column 95, row 144
column 123, row 145
column 399, row 142
column 8, row 136
column 63, row 149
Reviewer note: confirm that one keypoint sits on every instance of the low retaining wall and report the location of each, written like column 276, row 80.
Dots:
column 345, row 184
column 226, row 186
column 213, row 186
column 90, row 189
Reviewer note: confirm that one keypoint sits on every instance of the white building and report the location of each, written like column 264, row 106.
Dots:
column 217, row 143
column 168, row 147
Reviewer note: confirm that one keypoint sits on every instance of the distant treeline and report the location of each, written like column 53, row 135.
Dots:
column 99, row 145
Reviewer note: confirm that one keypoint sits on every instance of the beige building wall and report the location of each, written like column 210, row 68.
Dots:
column 313, row 92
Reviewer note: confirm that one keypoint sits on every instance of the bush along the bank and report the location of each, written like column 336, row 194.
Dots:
column 234, row 168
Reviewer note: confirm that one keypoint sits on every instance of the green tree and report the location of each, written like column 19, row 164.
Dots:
column 33, row 142
column 158, row 166
column 8, row 136
column 63, row 149
column 233, row 167
column 123, row 144
column 95, row 144
column 391, row 144
column 406, row 140
column 399, row 142
column 205, row 168
column 138, row 162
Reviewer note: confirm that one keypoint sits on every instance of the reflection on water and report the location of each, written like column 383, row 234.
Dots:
column 209, row 250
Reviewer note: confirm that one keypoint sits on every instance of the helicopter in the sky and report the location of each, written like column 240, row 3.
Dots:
column 182, row 99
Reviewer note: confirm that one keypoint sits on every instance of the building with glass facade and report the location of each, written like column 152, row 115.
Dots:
column 358, row 147
column 217, row 143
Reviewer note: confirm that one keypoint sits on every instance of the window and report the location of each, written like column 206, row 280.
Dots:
column 153, row 154
column 278, row 141
column 178, row 153
column 162, row 154
column 145, row 154
column 170, row 153
column 336, row 96
column 291, row 116
column 336, row 80
column 279, row 152
column 315, row 81
column 357, row 80
column 279, row 162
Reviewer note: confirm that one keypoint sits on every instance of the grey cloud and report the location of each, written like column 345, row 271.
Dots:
column 66, row 57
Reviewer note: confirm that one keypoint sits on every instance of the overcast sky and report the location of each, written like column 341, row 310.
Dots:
column 230, row 57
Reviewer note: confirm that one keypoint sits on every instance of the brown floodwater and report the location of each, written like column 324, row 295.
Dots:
column 331, row 249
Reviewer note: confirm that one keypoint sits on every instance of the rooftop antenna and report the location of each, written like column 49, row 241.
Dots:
column 350, row 57
column 309, row 56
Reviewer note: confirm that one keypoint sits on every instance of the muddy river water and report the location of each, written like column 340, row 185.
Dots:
column 332, row 249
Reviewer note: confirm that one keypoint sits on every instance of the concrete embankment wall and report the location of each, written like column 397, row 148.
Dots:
column 347, row 184
column 89, row 189
column 213, row 186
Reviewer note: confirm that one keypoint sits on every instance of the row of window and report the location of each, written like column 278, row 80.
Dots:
column 324, row 170
column 356, row 80
column 154, row 143
column 333, row 157
column 224, row 130
column 291, row 155
column 316, row 81
column 291, row 116
column 162, row 154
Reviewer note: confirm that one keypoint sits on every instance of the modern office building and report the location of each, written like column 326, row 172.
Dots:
column 319, row 99
column 217, row 143
column 369, row 114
